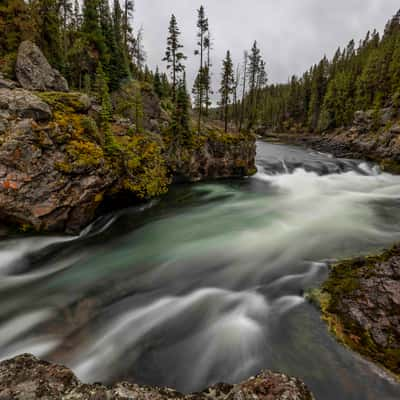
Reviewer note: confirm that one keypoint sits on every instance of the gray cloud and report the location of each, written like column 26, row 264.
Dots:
column 293, row 34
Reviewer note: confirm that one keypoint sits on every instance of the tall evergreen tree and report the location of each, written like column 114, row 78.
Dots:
column 174, row 55
column 180, row 116
column 227, row 87
column 207, row 73
column 243, row 102
column 253, row 72
column 202, row 25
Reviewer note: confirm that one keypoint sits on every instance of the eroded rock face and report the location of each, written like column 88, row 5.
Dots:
column 33, row 192
column 35, row 73
column 26, row 377
column 56, row 167
column 362, row 304
column 222, row 156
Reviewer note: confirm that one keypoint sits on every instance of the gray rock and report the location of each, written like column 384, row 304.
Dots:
column 26, row 377
column 35, row 73
column 24, row 104
column 386, row 115
column 395, row 129
column 7, row 84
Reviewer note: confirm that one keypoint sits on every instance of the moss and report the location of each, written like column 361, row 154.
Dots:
column 71, row 102
column 344, row 282
column 7, row 65
column 391, row 166
column 144, row 164
column 84, row 154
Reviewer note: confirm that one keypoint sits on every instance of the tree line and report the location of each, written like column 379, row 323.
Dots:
column 360, row 76
column 93, row 43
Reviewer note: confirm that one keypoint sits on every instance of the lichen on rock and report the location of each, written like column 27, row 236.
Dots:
column 361, row 303
column 26, row 377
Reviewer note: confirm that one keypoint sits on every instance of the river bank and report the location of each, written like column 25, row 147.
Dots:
column 27, row 377
column 360, row 299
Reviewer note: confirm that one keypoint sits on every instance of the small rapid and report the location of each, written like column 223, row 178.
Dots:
column 207, row 284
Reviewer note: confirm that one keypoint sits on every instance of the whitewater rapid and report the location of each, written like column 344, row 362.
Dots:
column 207, row 284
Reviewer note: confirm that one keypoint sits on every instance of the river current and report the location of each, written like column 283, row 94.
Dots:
column 207, row 284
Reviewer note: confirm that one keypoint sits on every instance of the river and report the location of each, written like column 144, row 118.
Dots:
column 206, row 284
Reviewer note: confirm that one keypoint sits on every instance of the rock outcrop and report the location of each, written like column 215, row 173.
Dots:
column 373, row 136
column 26, row 377
column 361, row 303
column 35, row 73
column 218, row 156
column 57, row 167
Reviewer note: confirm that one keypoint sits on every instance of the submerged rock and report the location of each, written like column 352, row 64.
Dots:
column 35, row 73
column 361, row 303
column 26, row 377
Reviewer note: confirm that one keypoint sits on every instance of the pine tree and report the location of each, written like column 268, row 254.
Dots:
column 103, row 96
column 93, row 35
column 243, row 101
column 180, row 118
column 202, row 25
column 207, row 73
column 227, row 87
column 253, row 72
column 173, row 55
column 129, row 9
column 48, row 22
column 16, row 25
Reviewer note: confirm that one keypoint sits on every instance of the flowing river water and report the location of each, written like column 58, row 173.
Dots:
column 207, row 284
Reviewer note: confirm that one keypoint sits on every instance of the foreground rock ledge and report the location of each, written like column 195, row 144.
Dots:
column 26, row 377
column 361, row 303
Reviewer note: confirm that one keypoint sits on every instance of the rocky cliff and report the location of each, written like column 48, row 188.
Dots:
column 26, row 377
column 57, row 166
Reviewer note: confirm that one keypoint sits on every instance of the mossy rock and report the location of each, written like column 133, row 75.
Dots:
column 345, row 292
column 66, row 102
column 389, row 165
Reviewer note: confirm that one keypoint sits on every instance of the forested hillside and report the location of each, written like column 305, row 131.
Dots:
column 360, row 76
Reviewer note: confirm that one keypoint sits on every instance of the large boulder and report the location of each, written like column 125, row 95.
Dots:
column 35, row 73
column 26, row 377
column 20, row 103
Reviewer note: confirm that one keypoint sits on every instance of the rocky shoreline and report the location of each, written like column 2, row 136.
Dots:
column 371, row 137
column 26, row 377
column 360, row 301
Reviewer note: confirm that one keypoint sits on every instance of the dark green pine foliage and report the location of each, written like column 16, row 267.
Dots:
column 363, row 76
column 103, row 97
column 174, row 55
column 227, row 87
column 118, row 66
column 207, row 74
column 93, row 35
column 48, row 23
column 199, row 88
column 253, row 71
column 180, row 125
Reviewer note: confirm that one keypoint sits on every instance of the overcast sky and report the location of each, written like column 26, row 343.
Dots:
column 292, row 34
